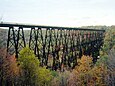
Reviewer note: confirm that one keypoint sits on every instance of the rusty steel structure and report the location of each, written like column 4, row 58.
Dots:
column 55, row 46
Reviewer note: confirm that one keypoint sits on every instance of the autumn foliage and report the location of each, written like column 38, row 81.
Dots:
column 85, row 73
column 9, row 70
column 26, row 70
column 10, row 67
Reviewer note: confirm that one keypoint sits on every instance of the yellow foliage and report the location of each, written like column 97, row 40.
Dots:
column 84, row 64
column 100, row 73
column 85, row 73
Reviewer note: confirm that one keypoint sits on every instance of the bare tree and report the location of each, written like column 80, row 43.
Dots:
column 1, row 18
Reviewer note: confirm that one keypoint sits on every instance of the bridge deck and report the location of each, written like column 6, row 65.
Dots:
column 40, row 26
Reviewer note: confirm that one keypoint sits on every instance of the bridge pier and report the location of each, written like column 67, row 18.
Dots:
column 16, row 40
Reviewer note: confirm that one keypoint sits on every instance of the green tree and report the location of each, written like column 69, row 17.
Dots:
column 107, row 55
column 32, row 73
column 109, row 40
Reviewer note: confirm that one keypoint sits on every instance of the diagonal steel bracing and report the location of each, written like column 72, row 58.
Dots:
column 55, row 47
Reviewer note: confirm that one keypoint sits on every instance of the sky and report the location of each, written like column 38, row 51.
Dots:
column 70, row 13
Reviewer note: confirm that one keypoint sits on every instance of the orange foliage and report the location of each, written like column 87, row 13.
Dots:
column 85, row 73
column 10, row 67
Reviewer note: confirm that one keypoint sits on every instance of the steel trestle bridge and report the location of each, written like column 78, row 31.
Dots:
column 55, row 47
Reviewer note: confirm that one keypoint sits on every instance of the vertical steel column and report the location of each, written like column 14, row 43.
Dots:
column 65, row 46
column 46, row 46
column 16, row 40
column 11, row 42
column 51, row 49
column 20, row 40
column 33, row 40
column 39, row 44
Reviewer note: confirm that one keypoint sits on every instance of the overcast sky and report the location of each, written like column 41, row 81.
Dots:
column 58, row 12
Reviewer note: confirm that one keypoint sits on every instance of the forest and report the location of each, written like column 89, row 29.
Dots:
column 26, row 70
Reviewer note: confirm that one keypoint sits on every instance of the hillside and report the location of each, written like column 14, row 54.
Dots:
column 3, row 37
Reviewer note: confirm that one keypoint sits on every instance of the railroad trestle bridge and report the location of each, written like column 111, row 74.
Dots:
column 55, row 47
